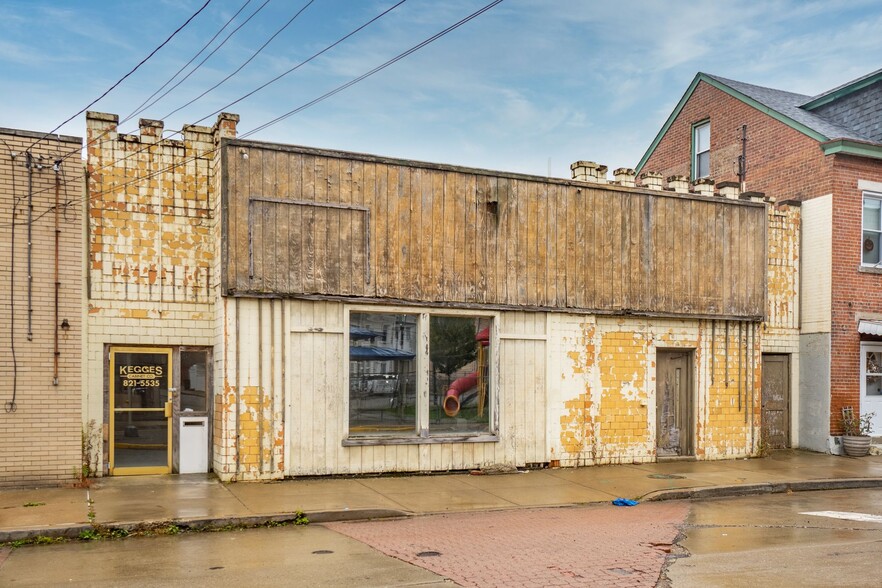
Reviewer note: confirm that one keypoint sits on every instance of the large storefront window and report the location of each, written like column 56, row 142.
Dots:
column 419, row 374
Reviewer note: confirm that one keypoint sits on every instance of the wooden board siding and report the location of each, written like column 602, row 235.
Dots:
column 307, row 222
column 315, row 397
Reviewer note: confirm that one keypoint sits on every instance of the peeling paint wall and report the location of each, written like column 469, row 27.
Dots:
column 151, row 266
column 605, row 380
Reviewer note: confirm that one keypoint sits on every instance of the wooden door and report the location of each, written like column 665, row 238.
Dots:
column 673, row 403
column 776, row 401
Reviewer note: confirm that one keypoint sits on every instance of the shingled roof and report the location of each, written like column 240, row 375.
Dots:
column 847, row 118
column 790, row 105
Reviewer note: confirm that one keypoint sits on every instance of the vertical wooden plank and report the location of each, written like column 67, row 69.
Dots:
column 599, row 282
column 282, row 235
column 372, row 202
column 551, row 243
column 483, row 224
column 538, row 211
column 395, row 228
column 402, row 235
column 647, row 256
column 633, row 291
column 253, row 212
column 470, row 237
column 522, row 243
column 439, row 247
column 346, row 248
column 571, row 203
column 457, row 219
column 503, row 239
column 448, row 214
column 359, row 231
column 415, row 234
column 384, row 238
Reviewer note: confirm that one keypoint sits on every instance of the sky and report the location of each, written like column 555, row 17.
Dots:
column 529, row 86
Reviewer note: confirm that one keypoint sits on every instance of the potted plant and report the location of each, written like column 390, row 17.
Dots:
column 856, row 431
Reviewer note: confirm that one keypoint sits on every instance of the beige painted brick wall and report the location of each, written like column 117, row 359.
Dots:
column 152, row 262
column 40, row 441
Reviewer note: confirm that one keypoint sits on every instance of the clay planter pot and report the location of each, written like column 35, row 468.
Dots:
column 856, row 445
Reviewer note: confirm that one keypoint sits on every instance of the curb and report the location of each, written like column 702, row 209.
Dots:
column 763, row 488
column 205, row 523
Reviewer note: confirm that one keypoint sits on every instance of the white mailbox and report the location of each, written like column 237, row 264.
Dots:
column 193, row 441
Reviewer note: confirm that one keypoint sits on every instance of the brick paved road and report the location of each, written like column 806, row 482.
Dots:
column 600, row 545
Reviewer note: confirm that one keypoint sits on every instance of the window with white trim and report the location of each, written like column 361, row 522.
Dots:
column 419, row 374
column 701, row 150
column 872, row 228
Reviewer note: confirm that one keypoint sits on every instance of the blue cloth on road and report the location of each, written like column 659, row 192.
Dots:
column 624, row 502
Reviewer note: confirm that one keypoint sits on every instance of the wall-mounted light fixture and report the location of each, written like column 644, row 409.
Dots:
column 65, row 325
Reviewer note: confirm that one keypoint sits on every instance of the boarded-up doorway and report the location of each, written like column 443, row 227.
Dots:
column 673, row 403
column 776, row 401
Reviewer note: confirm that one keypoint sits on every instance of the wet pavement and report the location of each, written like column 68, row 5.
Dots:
column 201, row 500
column 782, row 540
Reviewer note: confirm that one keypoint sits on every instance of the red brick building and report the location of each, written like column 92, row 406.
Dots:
column 825, row 152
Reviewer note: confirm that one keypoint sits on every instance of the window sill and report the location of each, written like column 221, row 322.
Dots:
column 870, row 269
column 414, row 440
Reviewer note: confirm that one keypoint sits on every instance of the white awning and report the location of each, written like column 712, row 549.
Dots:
column 870, row 328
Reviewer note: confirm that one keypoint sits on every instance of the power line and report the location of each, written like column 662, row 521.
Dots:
column 300, row 108
column 379, row 68
column 118, row 82
column 261, row 87
column 144, row 105
column 247, row 61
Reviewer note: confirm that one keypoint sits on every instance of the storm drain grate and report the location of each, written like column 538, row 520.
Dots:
column 665, row 477
column 428, row 554
column 322, row 552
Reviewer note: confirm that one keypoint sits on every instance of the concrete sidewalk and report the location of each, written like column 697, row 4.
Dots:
column 201, row 500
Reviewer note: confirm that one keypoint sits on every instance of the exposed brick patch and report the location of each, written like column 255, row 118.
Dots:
column 588, row 546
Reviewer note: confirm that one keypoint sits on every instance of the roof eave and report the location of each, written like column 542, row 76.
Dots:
column 701, row 77
column 852, row 147
column 840, row 92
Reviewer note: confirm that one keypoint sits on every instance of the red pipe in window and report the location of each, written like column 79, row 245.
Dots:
column 460, row 385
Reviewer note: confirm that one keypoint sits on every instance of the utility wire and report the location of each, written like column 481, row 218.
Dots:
column 297, row 110
column 118, row 82
column 247, row 61
column 259, row 88
column 377, row 69
column 144, row 105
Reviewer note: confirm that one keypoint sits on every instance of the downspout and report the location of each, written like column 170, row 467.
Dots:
column 56, row 353
column 30, row 165
column 10, row 405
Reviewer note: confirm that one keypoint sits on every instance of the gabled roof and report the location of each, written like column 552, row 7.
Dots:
column 843, row 90
column 788, row 108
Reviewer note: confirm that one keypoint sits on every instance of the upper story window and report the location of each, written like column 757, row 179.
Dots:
column 701, row 150
column 872, row 228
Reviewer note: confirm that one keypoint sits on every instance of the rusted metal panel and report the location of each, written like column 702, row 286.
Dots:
column 776, row 401
column 344, row 225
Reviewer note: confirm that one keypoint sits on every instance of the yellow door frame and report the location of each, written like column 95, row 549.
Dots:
column 132, row 471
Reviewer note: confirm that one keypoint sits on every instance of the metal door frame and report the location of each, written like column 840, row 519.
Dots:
column 129, row 471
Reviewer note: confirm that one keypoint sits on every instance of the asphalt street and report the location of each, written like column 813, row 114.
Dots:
column 805, row 539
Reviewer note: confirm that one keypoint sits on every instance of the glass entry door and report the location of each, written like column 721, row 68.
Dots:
column 141, row 410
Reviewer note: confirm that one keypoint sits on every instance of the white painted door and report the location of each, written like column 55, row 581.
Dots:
column 871, row 383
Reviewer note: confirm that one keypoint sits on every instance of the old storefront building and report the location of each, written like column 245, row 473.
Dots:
column 269, row 310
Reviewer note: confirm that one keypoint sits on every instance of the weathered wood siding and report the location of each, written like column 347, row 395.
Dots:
column 315, row 398
column 301, row 221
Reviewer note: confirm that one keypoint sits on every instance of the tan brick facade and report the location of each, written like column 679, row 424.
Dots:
column 152, row 249
column 40, row 427
column 788, row 164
